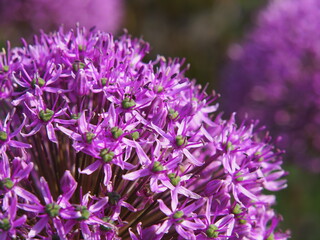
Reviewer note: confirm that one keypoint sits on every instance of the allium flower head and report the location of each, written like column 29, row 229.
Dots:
column 274, row 75
column 102, row 145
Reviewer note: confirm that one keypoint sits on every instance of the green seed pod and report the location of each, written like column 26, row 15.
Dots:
column 212, row 231
column 103, row 81
column 81, row 47
column 38, row 81
column 46, row 115
column 180, row 140
column 5, row 224
column 128, row 103
column 85, row 214
column 173, row 114
column 135, row 135
column 3, row 136
column 107, row 220
column 174, row 180
column 239, row 179
column 106, row 155
column 237, row 209
column 157, row 167
column 230, row 147
column 77, row 65
column 5, row 68
column 52, row 209
column 6, row 183
column 89, row 137
column 271, row 237
column 75, row 116
column 158, row 89
column 178, row 214
column 116, row 132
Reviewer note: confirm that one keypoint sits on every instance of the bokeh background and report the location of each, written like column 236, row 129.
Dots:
column 202, row 31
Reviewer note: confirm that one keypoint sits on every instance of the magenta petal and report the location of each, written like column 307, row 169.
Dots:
column 206, row 134
column 45, row 191
column 185, row 234
column 230, row 227
column 19, row 221
column 38, row 227
column 24, row 173
column 164, row 228
column 174, row 162
column 21, row 83
column 3, row 235
column 164, row 208
column 194, row 206
column 192, row 225
column 51, row 134
column 107, row 174
column 143, row 158
column 91, row 168
column 128, row 166
column 71, row 134
column 112, row 115
column 13, row 207
column 174, row 200
column 69, row 214
column 69, row 225
column 136, row 174
column 192, row 159
column 18, row 130
column 246, row 192
column 33, row 131
column 223, row 221
column 56, row 76
column 167, row 183
column 18, row 144
column 31, row 208
column 129, row 206
column 95, row 220
column 26, row 195
column 53, row 90
column 186, row 192
column 4, row 165
column 155, row 187
column 64, row 121
column 83, row 125
column 59, row 227
column 85, row 230
column 161, row 132
column 68, row 185
column 98, row 205
column 132, row 235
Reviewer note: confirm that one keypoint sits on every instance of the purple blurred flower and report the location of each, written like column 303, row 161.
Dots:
column 106, row 15
column 275, row 76
column 108, row 146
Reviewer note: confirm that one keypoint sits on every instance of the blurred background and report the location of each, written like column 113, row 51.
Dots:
column 202, row 31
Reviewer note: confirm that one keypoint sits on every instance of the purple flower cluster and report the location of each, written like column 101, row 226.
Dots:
column 104, row 14
column 97, row 144
column 275, row 76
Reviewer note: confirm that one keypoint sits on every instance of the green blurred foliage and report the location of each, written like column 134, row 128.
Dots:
column 299, row 204
column 200, row 31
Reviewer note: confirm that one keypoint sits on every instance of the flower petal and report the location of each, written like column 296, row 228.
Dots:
column 38, row 227
column 91, row 168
